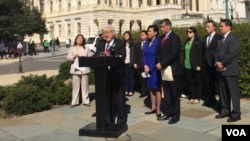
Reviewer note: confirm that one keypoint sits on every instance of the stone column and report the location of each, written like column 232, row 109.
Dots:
column 144, row 3
column 163, row 2
column 135, row 3
column 114, row 4
column 124, row 3
column 102, row 2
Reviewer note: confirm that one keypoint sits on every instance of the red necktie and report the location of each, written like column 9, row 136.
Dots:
column 163, row 40
column 106, row 51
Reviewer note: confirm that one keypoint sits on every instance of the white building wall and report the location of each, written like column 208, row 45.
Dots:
column 90, row 11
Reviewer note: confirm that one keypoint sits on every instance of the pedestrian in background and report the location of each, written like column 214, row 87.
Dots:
column 80, row 79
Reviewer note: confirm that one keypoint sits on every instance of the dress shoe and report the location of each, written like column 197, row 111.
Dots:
column 142, row 95
column 221, row 116
column 150, row 112
column 86, row 104
column 173, row 121
column 164, row 117
column 158, row 116
column 71, row 106
column 209, row 104
column 234, row 119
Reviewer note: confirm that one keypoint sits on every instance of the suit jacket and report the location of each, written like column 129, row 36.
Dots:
column 227, row 53
column 138, row 55
column 195, row 54
column 169, row 53
column 117, row 49
column 209, row 51
column 83, row 52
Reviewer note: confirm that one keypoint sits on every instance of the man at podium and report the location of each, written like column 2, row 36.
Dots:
column 112, row 46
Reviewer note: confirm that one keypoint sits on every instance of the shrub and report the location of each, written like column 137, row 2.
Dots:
column 25, row 99
column 64, row 69
column 60, row 93
column 41, row 81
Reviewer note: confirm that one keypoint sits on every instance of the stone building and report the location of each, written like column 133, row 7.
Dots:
column 66, row 18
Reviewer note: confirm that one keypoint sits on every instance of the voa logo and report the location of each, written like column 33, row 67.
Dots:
column 236, row 132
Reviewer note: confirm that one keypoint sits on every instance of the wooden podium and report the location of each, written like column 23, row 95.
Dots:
column 103, row 126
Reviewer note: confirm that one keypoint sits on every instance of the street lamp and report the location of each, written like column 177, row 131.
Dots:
column 52, row 40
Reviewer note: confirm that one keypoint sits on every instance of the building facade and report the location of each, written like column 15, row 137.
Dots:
column 67, row 18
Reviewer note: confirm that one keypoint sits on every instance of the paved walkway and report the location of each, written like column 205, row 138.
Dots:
column 63, row 123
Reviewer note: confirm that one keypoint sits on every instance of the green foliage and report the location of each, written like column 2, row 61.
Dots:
column 26, row 99
column 42, row 81
column 60, row 93
column 17, row 18
column 64, row 69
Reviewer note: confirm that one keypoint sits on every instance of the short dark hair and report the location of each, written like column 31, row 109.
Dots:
column 227, row 22
column 166, row 21
column 144, row 31
column 211, row 21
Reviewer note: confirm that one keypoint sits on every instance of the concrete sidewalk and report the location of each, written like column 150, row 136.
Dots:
column 63, row 123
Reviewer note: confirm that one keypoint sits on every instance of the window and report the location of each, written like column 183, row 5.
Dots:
column 140, row 3
column 149, row 2
column 79, row 4
column 78, row 28
column 183, row 4
column 129, row 3
column 60, row 5
column 59, row 30
column 190, row 5
column 175, row 1
column 68, row 29
column 158, row 2
column 167, row 1
column 51, row 6
column 197, row 5
column 69, row 5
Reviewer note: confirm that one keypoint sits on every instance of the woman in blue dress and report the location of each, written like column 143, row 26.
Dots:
column 153, row 82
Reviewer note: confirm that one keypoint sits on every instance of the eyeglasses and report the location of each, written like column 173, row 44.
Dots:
column 189, row 31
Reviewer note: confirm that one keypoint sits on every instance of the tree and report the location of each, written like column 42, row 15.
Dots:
column 17, row 19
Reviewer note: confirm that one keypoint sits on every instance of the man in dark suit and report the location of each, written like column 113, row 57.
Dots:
column 169, row 52
column 226, row 61
column 210, row 42
column 138, row 62
column 111, row 46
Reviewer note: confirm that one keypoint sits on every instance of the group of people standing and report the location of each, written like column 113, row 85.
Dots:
column 216, row 54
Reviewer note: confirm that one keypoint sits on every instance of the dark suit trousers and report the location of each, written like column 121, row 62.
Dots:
column 172, row 92
column 116, row 85
column 194, row 83
column 212, row 80
column 229, row 90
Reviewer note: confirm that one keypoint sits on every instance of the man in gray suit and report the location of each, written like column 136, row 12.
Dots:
column 226, row 61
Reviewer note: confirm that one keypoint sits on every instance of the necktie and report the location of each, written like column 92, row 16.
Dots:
column 142, row 45
column 223, row 39
column 106, row 51
column 208, row 40
column 163, row 40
